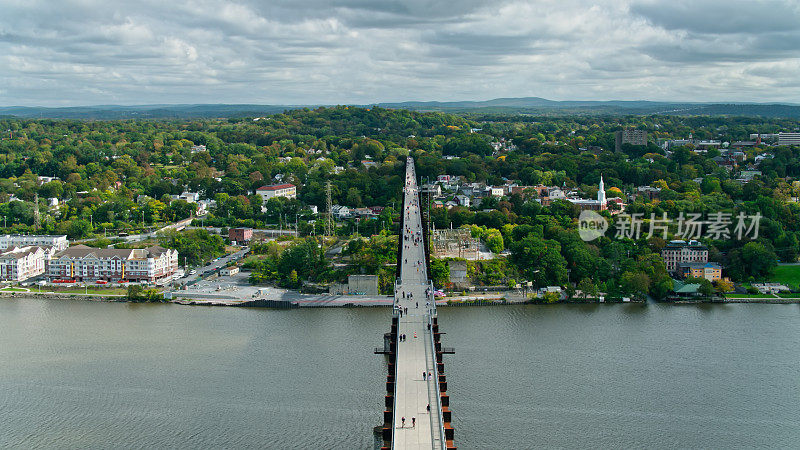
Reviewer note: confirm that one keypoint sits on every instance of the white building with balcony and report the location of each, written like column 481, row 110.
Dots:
column 21, row 263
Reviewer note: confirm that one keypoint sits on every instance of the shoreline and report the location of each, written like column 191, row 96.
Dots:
column 359, row 301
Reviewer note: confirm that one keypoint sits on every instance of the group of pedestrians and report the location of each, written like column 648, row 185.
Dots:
column 413, row 421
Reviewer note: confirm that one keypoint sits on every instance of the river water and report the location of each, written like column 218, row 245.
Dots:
column 102, row 375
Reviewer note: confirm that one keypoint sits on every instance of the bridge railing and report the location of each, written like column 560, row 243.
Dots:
column 394, row 394
column 431, row 315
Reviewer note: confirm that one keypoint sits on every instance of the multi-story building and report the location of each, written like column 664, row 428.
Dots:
column 629, row 136
column 524, row 191
column 710, row 271
column 189, row 197
column 788, row 138
column 432, row 189
column 58, row 243
column 497, row 191
column 340, row 212
column 82, row 263
column 277, row 190
column 242, row 235
column 681, row 252
column 648, row 192
column 21, row 263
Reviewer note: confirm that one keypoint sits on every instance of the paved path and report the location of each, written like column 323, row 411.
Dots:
column 413, row 392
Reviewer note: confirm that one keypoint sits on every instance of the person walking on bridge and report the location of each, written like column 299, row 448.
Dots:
column 402, row 422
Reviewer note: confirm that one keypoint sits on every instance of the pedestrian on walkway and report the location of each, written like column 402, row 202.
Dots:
column 413, row 422
column 423, row 376
column 428, row 408
column 402, row 422
column 430, row 375
column 417, row 304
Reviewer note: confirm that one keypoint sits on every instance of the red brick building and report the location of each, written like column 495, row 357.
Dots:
column 243, row 235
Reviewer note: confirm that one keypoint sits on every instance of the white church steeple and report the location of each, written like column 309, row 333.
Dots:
column 601, row 193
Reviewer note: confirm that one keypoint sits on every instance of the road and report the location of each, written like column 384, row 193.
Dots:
column 213, row 266
column 266, row 231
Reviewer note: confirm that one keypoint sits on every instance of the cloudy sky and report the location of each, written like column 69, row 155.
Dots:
column 88, row 52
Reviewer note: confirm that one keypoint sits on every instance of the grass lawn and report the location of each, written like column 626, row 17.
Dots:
column 91, row 290
column 749, row 296
column 788, row 275
column 795, row 295
column 14, row 289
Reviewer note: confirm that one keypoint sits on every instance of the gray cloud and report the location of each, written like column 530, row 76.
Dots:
column 721, row 16
column 357, row 51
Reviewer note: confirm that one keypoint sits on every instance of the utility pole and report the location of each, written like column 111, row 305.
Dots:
column 329, row 205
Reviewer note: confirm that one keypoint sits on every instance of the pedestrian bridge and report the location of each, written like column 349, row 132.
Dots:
column 417, row 413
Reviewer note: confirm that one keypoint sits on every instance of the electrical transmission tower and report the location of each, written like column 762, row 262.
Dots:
column 36, row 219
column 329, row 204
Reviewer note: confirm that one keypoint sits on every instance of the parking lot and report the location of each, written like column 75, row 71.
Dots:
column 233, row 286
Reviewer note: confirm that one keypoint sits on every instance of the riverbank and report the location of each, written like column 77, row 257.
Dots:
column 65, row 296
column 297, row 300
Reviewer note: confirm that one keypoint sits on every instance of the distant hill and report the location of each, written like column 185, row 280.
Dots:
column 522, row 105
column 536, row 105
column 117, row 112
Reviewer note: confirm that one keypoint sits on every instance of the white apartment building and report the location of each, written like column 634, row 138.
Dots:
column 82, row 263
column 58, row 243
column 189, row 197
column 497, row 191
column 21, row 263
column 277, row 190
column 788, row 138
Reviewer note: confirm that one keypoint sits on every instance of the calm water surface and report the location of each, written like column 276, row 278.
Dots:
column 101, row 375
